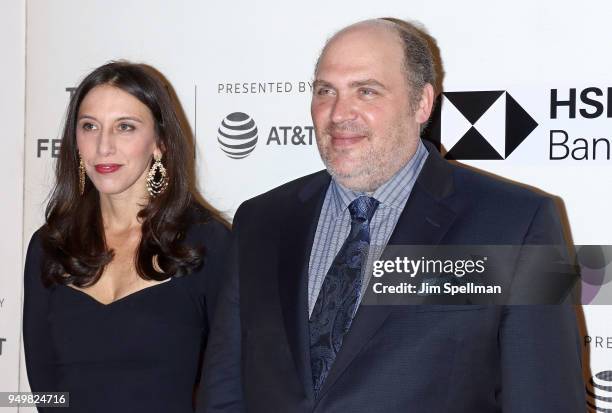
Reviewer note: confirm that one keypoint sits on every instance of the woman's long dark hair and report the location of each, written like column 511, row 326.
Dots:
column 73, row 235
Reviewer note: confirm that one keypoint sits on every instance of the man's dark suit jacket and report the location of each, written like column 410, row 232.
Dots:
column 429, row 358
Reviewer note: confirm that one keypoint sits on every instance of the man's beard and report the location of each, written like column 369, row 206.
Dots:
column 374, row 165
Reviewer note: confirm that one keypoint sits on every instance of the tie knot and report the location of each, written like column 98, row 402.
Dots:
column 363, row 208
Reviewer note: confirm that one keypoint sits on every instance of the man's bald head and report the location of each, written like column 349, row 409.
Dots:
column 417, row 60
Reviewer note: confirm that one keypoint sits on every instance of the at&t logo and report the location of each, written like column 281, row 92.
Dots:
column 237, row 135
column 599, row 392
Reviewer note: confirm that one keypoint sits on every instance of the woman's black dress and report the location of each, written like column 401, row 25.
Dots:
column 140, row 353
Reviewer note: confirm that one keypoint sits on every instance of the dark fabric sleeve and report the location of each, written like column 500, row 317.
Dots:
column 39, row 355
column 540, row 359
column 216, row 265
column 220, row 385
column 540, row 344
column 205, row 285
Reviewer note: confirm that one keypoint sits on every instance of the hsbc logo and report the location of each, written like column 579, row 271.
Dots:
column 479, row 125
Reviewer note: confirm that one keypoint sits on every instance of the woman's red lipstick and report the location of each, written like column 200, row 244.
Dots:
column 107, row 168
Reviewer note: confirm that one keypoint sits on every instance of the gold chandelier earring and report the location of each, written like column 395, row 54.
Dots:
column 159, row 185
column 81, row 176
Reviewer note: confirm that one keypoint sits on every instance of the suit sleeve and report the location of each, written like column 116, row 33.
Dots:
column 39, row 354
column 540, row 344
column 221, row 384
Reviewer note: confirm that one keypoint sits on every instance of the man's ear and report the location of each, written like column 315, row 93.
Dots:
column 423, row 110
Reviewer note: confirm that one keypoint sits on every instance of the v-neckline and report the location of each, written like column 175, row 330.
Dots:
column 118, row 300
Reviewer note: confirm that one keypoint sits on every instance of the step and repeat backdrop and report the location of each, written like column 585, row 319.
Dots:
column 527, row 96
column 12, row 73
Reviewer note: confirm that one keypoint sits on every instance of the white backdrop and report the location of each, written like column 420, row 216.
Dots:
column 12, row 73
column 523, row 47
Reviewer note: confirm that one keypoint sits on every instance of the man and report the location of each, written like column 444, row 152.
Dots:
column 292, row 333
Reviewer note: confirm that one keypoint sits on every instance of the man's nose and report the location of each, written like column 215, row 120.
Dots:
column 343, row 109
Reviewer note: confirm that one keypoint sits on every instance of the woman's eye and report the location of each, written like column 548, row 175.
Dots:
column 88, row 126
column 125, row 127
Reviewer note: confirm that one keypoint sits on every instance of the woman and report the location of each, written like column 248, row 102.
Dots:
column 121, row 279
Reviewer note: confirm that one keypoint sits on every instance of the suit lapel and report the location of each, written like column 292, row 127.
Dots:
column 427, row 217
column 297, row 236
column 424, row 221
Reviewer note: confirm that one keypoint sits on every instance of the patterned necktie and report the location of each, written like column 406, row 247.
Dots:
column 337, row 301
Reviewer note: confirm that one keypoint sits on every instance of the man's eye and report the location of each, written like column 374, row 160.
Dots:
column 324, row 91
column 368, row 92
